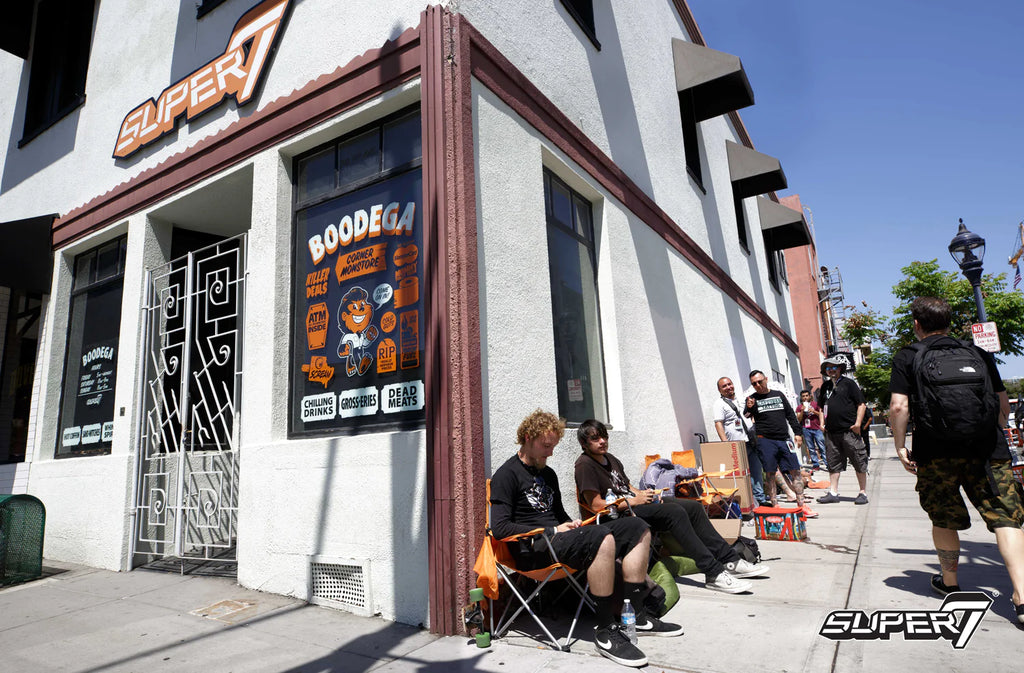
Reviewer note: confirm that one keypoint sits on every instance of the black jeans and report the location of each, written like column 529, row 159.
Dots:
column 688, row 523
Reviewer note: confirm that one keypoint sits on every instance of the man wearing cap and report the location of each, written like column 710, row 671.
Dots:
column 843, row 405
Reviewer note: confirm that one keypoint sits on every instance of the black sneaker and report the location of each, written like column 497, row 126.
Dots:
column 612, row 643
column 652, row 626
column 828, row 498
column 943, row 589
column 1019, row 609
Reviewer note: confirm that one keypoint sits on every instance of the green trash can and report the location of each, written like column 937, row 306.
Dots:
column 22, row 521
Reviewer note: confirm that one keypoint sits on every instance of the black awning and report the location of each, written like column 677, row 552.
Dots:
column 26, row 254
column 753, row 173
column 16, row 28
column 782, row 227
column 715, row 79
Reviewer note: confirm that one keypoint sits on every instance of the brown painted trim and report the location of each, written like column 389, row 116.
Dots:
column 363, row 78
column 499, row 75
column 455, row 435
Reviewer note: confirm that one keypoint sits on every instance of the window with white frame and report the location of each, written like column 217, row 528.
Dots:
column 90, row 371
column 572, row 261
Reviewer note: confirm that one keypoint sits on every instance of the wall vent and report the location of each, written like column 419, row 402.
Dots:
column 341, row 583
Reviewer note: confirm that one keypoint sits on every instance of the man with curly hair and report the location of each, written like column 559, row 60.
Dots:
column 525, row 496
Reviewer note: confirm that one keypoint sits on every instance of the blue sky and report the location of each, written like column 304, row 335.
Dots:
column 891, row 119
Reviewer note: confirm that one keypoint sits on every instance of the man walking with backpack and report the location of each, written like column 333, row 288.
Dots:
column 959, row 405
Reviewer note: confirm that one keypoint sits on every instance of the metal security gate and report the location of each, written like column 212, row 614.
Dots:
column 186, row 488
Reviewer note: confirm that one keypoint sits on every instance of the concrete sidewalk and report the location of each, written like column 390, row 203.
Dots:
column 874, row 557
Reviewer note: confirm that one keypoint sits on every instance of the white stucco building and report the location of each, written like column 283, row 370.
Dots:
column 545, row 205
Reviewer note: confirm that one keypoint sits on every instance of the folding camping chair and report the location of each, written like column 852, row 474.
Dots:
column 701, row 487
column 495, row 563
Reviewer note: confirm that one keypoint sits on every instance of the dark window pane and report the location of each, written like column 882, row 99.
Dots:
column 359, row 158
column 690, row 146
column 60, row 61
column 581, row 209
column 83, row 270
column 741, row 221
column 316, row 175
column 87, row 407
column 402, row 141
column 107, row 261
column 561, row 204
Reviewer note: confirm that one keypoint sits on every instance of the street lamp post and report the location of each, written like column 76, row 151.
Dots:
column 968, row 249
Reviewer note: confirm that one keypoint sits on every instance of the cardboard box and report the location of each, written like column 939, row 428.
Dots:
column 729, row 529
column 724, row 456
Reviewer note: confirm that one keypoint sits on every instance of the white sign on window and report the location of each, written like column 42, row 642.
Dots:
column 986, row 336
column 575, row 390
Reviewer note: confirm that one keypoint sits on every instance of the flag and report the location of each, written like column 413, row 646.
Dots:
column 1016, row 278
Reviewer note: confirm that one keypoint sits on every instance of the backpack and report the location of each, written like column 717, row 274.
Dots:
column 747, row 549
column 954, row 397
column 663, row 473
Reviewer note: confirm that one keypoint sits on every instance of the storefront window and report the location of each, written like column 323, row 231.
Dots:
column 21, row 339
column 579, row 365
column 90, row 371
column 357, row 342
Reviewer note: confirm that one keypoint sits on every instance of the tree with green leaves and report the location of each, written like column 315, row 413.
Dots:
column 920, row 279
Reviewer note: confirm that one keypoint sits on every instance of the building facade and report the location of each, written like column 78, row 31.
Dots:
column 309, row 263
column 811, row 306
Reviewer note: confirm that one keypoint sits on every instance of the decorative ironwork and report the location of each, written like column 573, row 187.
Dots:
column 187, row 480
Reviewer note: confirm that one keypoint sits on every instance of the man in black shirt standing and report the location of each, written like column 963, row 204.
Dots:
column 980, row 466
column 843, row 404
column 772, row 412
column 525, row 496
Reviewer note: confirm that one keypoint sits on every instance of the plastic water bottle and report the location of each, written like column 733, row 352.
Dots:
column 629, row 621
column 609, row 498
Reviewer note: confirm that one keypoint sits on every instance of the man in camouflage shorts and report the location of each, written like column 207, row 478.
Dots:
column 981, row 466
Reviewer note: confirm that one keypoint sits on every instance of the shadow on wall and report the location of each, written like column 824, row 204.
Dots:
column 615, row 98
column 409, row 557
column 733, row 317
column 45, row 149
column 759, row 297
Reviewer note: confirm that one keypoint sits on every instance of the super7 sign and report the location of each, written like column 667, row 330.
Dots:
column 235, row 73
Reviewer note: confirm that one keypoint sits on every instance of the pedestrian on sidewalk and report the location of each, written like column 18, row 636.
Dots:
column 809, row 414
column 958, row 442
column 732, row 426
column 843, row 405
column 772, row 413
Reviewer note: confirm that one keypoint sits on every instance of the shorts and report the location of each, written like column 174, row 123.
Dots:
column 776, row 455
column 989, row 486
column 577, row 548
column 843, row 444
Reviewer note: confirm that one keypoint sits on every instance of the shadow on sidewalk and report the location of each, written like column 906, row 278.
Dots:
column 981, row 569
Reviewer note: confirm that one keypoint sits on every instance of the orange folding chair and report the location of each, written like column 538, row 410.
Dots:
column 495, row 564
column 709, row 495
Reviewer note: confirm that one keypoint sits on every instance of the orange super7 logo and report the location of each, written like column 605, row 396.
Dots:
column 236, row 73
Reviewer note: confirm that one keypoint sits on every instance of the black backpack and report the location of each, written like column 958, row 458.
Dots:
column 954, row 399
column 747, row 549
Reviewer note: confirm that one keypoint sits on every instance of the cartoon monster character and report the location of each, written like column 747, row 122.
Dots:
column 355, row 318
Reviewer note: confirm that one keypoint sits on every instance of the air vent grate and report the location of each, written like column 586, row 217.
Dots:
column 340, row 584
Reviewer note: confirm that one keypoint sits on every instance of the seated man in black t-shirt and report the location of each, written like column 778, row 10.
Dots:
column 598, row 472
column 525, row 496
